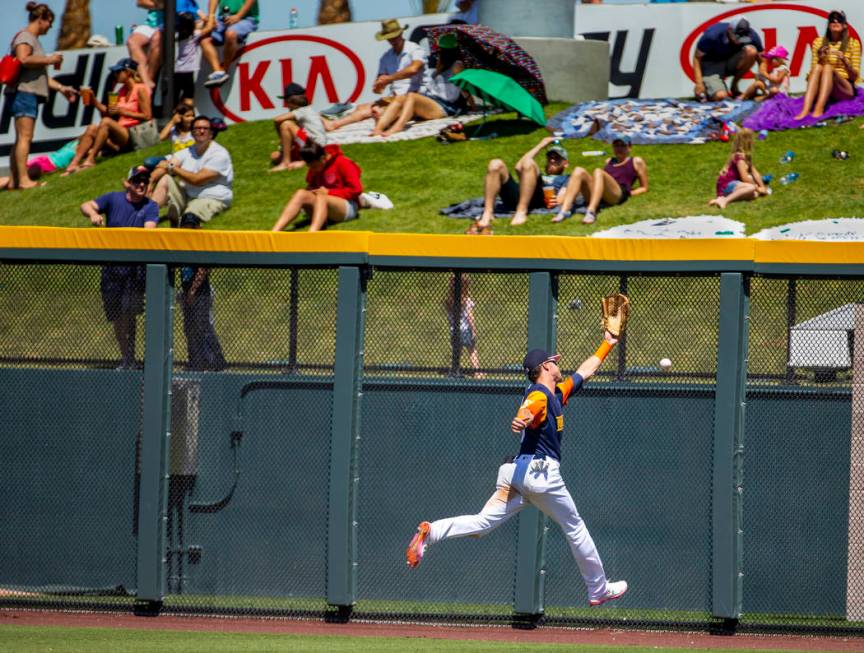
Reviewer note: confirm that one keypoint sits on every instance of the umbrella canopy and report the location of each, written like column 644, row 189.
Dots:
column 482, row 47
column 500, row 91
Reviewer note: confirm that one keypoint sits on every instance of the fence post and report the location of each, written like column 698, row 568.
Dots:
column 727, row 514
column 344, row 433
column 528, row 599
column 152, row 509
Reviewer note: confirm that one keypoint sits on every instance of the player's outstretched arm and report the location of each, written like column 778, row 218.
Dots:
column 591, row 364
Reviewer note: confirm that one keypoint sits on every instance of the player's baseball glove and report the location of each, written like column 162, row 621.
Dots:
column 616, row 312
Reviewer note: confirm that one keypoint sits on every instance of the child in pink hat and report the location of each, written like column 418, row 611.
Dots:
column 772, row 76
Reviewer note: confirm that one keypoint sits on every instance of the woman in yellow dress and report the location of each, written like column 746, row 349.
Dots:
column 835, row 68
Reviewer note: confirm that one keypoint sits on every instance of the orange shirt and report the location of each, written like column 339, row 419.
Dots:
column 128, row 101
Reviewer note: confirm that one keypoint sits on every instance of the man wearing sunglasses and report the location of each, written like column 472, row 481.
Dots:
column 122, row 286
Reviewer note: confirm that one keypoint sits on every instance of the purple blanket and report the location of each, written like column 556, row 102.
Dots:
column 779, row 113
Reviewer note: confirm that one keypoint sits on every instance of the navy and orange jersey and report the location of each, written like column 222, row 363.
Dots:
column 542, row 437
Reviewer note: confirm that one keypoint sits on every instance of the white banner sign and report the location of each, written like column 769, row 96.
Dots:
column 651, row 46
column 336, row 63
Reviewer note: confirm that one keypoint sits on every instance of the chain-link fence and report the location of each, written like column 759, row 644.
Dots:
column 278, row 473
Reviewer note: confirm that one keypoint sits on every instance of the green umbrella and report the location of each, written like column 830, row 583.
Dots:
column 500, row 91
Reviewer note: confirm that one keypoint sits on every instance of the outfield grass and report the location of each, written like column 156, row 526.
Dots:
column 24, row 639
column 423, row 176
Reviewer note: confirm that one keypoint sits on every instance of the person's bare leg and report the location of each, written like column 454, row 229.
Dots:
column 229, row 48
column 748, row 58
column 389, row 115
column 211, row 55
column 160, row 192
column 752, row 91
column 319, row 213
column 743, row 191
column 362, row 112
column 833, row 87
column 84, row 145
column 287, row 131
column 606, row 189
column 813, row 84
column 154, row 58
column 416, row 106
column 136, row 44
column 527, row 184
column 496, row 176
column 108, row 128
column 23, row 138
column 581, row 181
column 301, row 198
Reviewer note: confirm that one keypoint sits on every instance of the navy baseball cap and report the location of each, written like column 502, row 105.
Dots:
column 292, row 89
column 136, row 172
column 537, row 356
column 127, row 63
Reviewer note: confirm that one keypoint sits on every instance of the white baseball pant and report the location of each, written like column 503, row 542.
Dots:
column 544, row 489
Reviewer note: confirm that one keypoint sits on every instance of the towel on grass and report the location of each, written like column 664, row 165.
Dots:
column 473, row 208
column 649, row 121
column 779, row 113
column 358, row 132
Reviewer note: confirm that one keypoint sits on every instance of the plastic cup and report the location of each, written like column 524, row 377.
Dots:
column 549, row 196
column 113, row 98
column 86, row 94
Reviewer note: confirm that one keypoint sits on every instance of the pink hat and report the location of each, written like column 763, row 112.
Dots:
column 777, row 52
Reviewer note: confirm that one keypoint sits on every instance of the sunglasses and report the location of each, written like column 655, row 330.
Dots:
column 201, row 130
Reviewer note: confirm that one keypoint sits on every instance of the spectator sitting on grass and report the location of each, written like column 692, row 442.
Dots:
column 295, row 127
column 131, row 107
column 772, row 76
column 739, row 179
column 400, row 71
column 178, row 130
column 437, row 98
column 231, row 28
column 122, row 286
column 332, row 192
column 724, row 50
column 610, row 185
column 526, row 194
column 197, row 181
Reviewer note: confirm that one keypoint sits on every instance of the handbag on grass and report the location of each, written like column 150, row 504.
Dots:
column 10, row 67
column 144, row 134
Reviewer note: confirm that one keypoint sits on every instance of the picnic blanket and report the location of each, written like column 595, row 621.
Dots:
column 649, row 121
column 358, row 132
column 694, row 226
column 779, row 113
column 473, row 208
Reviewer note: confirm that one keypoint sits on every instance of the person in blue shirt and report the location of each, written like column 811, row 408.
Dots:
column 122, row 286
column 534, row 477
column 724, row 50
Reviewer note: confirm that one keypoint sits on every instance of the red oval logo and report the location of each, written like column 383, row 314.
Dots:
column 686, row 54
column 250, row 83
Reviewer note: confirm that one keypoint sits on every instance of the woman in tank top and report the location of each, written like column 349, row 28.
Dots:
column 612, row 184
column 133, row 107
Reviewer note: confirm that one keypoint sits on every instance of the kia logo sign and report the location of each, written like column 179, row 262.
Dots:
column 802, row 40
column 328, row 69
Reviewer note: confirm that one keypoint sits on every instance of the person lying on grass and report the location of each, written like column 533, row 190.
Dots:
column 610, row 185
column 739, row 179
column 332, row 192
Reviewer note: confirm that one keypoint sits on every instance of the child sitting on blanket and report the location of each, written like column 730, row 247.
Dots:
column 772, row 77
column 739, row 179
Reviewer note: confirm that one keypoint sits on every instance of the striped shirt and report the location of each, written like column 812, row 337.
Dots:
column 853, row 53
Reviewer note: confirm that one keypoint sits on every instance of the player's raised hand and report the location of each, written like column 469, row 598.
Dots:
column 519, row 424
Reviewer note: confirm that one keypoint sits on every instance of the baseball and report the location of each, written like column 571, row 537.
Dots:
column 665, row 364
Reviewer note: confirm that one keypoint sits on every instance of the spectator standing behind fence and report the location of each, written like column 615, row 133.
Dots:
column 739, row 179
column 231, row 22
column 437, row 98
column 31, row 88
column 130, row 107
column 724, row 50
column 610, row 185
column 400, row 71
column 204, row 352
column 300, row 124
column 196, row 183
column 526, row 194
column 332, row 192
column 463, row 328
column 835, row 67
column 122, row 286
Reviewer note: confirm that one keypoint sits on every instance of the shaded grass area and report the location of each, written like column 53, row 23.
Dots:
column 67, row 640
column 423, row 176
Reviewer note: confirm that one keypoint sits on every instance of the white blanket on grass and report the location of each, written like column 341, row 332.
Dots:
column 359, row 132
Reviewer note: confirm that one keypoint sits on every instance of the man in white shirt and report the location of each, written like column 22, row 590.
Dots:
column 400, row 71
column 195, row 183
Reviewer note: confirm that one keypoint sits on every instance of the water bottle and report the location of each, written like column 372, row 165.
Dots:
column 789, row 178
column 292, row 18
column 763, row 134
column 594, row 153
column 766, row 179
column 788, row 157
column 118, row 35
column 226, row 12
column 730, row 127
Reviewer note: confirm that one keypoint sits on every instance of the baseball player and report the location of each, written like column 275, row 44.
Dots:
column 534, row 476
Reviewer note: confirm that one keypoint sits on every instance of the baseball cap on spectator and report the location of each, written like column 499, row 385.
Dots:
column 559, row 151
column 390, row 29
column 136, row 172
column 626, row 140
column 292, row 89
column 741, row 28
column 777, row 52
column 537, row 356
column 126, row 63
column 837, row 16
column 217, row 125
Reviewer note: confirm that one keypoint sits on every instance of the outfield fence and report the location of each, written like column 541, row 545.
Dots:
column 285, row 475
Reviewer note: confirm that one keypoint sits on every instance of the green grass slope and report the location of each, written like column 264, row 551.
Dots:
column 423, row 176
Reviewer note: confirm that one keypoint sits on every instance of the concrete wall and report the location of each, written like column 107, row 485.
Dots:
column 574, row 71
column 551, row 18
